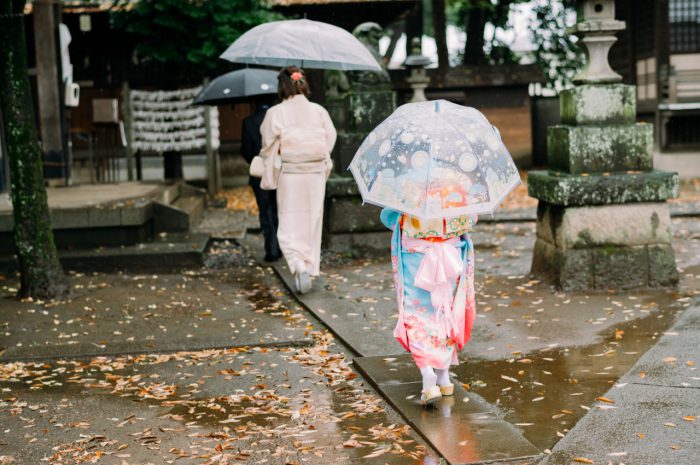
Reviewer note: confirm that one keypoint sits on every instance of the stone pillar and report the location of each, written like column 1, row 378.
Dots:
column 358, row 100
column 602, row 218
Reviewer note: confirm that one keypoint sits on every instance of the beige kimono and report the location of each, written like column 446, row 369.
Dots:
column 297, row 139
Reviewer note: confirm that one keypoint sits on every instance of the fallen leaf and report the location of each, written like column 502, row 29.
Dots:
column 582, row 460
column 689, row 418
column 605, row 399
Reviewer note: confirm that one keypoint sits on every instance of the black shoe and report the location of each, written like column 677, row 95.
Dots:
column 272, row 258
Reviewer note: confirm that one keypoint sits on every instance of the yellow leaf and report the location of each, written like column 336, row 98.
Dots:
column 605, row 399
column 641, row 435
column 689, row 418
column 582, row 460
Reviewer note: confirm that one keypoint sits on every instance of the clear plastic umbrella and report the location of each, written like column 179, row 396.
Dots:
column 303, row 43
column 435, row 160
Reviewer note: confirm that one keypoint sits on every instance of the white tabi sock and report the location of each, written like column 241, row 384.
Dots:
column 443, row 377
column 429, row 377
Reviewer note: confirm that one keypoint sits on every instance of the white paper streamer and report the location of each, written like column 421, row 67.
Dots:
column 165, row 121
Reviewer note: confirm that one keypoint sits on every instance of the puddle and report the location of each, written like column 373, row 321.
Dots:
column 546, row 392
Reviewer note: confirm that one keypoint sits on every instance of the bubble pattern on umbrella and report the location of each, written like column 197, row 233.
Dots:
column 435, row 159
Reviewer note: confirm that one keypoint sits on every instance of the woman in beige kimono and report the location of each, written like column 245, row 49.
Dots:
column 297, row 139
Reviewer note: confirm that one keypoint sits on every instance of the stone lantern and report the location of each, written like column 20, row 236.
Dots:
column 602, row 217
column 416, row 64
column 597, row 34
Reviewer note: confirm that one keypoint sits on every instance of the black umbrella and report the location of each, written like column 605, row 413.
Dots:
column 242, row 83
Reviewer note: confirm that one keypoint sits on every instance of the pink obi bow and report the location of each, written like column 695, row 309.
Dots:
column 437, row 273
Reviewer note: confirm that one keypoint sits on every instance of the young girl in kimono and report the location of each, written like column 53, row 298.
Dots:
column 433, row 263
column 297, row 140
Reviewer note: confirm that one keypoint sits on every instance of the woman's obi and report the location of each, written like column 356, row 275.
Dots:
column 304, row 151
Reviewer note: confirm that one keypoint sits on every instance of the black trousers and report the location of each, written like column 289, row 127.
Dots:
column 267, row 204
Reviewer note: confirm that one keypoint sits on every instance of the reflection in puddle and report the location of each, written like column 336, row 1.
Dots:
column 546, row 392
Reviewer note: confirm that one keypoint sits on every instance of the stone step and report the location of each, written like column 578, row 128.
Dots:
column 166, row 253
column 463, row 428
column 183, row 214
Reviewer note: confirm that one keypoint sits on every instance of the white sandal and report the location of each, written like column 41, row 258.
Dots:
column 447, row 389
column 431, row 395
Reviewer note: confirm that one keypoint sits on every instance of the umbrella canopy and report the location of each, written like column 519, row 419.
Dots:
column 303, row 43
column 435, row 160
column 238, row 84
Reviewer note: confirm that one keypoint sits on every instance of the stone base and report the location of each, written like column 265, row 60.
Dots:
column 585, row 227
column 345, row 149
column 368, row 244
column 570, row 190
column 603, row 268
column 609, row 247
column 597, row 149
column 349, row 226
column 599, row 104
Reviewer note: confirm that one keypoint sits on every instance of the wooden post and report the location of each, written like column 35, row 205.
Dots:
column 48, row 78
column 663, row 63
column 128, row 127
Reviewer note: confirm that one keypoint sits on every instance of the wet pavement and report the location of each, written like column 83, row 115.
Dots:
column 218, row 365
column 650, row 415
column 538, row 357
column 226, row 366
column 123, row 313
column 247, row 405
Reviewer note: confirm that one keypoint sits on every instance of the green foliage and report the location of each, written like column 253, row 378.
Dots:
column 557, row 54
column 189, row 35
column 496, row 11
column 472, row 15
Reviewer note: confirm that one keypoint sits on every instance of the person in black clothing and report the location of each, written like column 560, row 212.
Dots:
column 267, row 200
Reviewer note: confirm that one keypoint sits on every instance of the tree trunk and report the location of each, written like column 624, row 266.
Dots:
column 474, row 50
column 41, row 273
column 440, row 30
column 396, row 31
